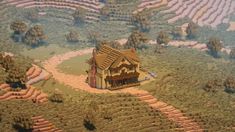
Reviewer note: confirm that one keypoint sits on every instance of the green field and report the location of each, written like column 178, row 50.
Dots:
column 76, row 65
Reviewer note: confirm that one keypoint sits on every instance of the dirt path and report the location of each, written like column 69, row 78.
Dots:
column 78, row 83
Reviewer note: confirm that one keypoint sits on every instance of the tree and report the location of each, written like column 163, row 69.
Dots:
column 135, row 40
column 57, row 97
column 229, row 84
column 72, row 36
column 35, row 36
column 19, row 28
column 23, row 122
column 141, row 20
column 16, row 77
column 191, row 30
column 163, row 38
column 214, row 45
column 232, row 53
column 7, row 62
column 79, row 16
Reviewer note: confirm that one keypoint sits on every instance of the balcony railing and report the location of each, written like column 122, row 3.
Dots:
column 125, row 86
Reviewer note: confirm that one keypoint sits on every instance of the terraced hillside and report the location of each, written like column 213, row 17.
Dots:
column 202, row 12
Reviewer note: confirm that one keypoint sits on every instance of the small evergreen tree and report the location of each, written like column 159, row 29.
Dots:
column 191, row 30
column 214, row 45
column 163, row 38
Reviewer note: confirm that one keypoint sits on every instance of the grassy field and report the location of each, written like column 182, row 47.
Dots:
column 182, row 75
column 76, row 65
column 107, row 112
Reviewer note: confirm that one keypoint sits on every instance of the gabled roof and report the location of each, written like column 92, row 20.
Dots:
column 107, row 57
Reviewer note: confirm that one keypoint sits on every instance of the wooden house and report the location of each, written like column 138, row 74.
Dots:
column 113, row 69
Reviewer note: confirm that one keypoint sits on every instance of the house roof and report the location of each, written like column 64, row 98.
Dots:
column 109, row 57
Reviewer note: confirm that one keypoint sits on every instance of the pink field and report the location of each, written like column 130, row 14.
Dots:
column 202, row 12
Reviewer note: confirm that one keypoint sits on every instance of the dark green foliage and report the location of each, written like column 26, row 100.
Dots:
column 163, row 38
column 19, row 27
column 135, row 40
column 35, row 36
column 57, row 97
column 13, row 70
column 229, row 85
column 191, row 30
column 214, row 45
column 23, row 123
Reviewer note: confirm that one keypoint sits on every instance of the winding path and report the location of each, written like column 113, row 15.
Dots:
column 78, row 83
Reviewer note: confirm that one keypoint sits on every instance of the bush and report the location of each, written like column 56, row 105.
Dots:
column 191, row 30
column 57, row 98
column 23, row 123
column 214, row 45
column 229, row 85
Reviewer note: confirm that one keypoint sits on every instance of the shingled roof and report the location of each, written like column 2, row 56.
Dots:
column 109, row 57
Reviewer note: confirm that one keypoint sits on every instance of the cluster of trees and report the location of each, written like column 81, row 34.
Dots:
column 113, row 44
column 214, row 45
column 136, row 40
column 13, row 71
column 215, row 85
column 33, row 37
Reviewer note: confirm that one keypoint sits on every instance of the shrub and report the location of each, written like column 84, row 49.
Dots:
column 23, row 122
column 229, row 85
column 57, row 98
column 214, row 45
column 191, row 30
column 19, row 28
column 35, row 36
column 163, row 38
